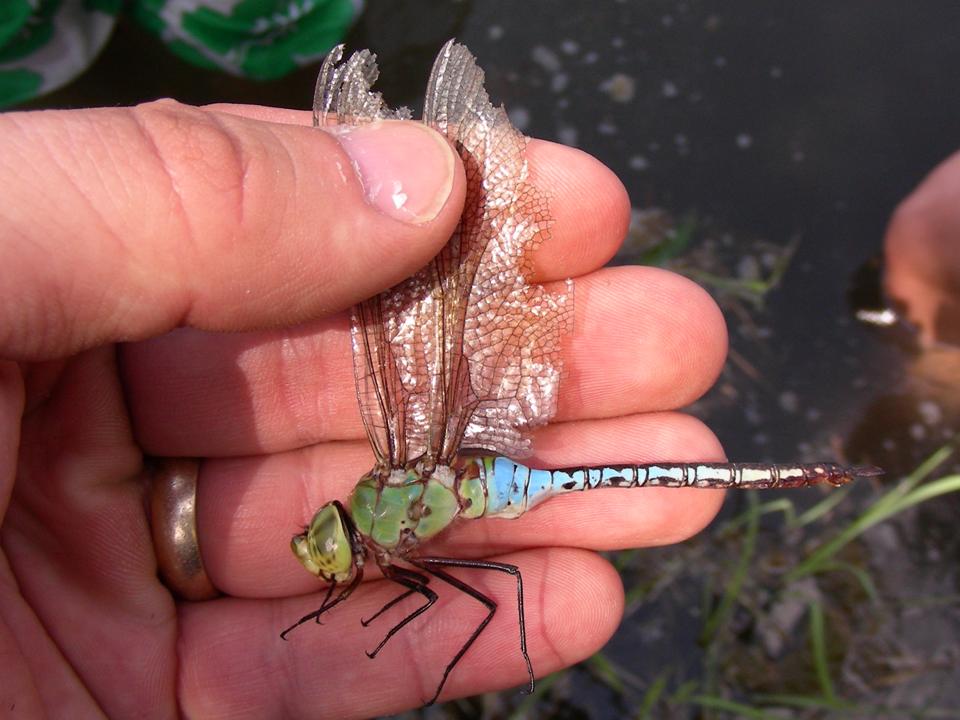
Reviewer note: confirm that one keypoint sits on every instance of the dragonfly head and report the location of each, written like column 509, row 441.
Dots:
column 326, row 547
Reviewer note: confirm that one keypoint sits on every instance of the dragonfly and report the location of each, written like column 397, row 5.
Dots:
column 456, row 364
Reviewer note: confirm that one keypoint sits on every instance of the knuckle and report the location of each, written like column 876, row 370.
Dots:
column 202, row 158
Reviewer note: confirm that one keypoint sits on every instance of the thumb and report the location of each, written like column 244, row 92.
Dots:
column 119, row 224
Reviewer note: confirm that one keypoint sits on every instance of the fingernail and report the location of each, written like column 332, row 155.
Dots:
column 406, row 169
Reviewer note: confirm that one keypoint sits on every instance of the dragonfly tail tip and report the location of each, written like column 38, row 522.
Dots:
column 866, row 471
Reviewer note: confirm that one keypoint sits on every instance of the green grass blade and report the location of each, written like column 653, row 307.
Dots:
column 818, row 645
column 895, row 501
column 747, row 548
column 809, row 702
column 711, row 702
column 753, row 291
column 941, row 486
column 862, row 576
column 858, row 710
column 600, row 665
column 823, row 508
column 675, row 244
column 652, row 696
column 781, row 505
column 685, row 692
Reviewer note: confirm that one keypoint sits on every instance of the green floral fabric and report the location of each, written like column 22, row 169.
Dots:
column 46, row 43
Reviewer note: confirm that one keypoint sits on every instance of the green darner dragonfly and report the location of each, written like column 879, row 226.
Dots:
column 456, row 363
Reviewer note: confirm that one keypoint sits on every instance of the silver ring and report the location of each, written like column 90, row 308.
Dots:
column 173, row 523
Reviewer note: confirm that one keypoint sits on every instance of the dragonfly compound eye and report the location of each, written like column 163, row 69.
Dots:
column 324, row 548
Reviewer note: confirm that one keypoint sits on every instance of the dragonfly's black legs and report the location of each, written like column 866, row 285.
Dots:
column 416, row 583
column 327, row 604
column 421, row 579
column 433, row 566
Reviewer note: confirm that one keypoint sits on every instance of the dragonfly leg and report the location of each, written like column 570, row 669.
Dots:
column 416, row 583
column 422, row 579
column 433, row 566
column 327, row 604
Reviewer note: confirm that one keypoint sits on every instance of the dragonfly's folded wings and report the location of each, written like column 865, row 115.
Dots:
column 466, row 351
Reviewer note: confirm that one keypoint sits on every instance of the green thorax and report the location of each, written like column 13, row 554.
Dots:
column 399, row 509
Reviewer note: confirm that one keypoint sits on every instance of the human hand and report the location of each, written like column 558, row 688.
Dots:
column 922, row 253
column 126, row 224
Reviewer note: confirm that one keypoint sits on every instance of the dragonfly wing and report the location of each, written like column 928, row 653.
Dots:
column 466, row 350
column 505, row 366
column 344, row 96
column 344, row 93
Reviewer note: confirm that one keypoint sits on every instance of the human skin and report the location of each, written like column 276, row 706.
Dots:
column 223, row 246
column 922, row 254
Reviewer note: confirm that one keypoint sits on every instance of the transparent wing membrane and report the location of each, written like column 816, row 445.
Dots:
column 465, row 352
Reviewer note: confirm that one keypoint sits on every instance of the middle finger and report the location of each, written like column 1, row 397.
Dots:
column 644, row 340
